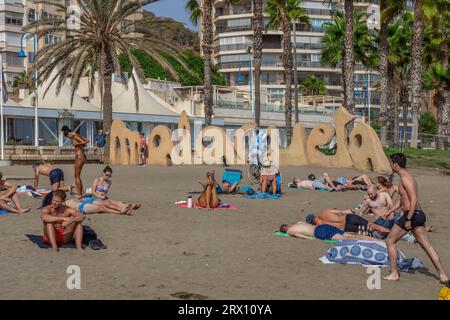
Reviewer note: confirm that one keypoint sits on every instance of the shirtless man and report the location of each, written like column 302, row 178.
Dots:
column 343, row 220
column 61, row 223
column 55, row 175
column 377, row 203
column 7, row 192
column 413, row 219
column 303, row 230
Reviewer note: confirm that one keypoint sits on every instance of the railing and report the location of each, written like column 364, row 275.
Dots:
column 221, row 29
column 235, row 46
column 310, row 45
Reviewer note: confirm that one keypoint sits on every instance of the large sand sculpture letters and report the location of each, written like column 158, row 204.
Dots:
column 361, row 150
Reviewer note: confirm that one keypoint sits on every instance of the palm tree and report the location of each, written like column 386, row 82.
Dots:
column 104, row 33
column 399, row 68
column 364, row 49
column 389, row 9
column 258, row 26
column 313, row 86
column 23, row 79
column 203, row 10
column 437, row 78
column 281, row 14
column 348, row 58
column 415, row 83
column 436, row 56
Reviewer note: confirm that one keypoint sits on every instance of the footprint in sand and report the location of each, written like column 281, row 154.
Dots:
column 188, row 296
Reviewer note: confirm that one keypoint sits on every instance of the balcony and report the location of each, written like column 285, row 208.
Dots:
column 312, row 46
column 222, row 29
column 231, row 47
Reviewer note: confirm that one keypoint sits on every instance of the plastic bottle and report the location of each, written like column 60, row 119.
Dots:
column 360, row 230
column 189, row 202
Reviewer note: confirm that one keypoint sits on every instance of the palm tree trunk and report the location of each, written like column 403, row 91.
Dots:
column 107, row 113
column 295, row 76
column 287, row 62
column 416, row 68
column 404, row 104
column 207, row 43
column 257, row 55
column 384, row 80
column 391, row 122
column 348, row 61
column 445, row 100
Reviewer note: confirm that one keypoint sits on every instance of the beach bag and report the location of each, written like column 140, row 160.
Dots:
column 88, row 235
column 444, row 294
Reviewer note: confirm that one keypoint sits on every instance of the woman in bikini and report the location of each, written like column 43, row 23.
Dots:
column 100, row 189
column 209, row 198
column 78, row 142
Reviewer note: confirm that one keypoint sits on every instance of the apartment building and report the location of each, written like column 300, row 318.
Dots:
column 233, row 36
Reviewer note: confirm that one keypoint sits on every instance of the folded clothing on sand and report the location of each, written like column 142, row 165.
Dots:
column 366, row 253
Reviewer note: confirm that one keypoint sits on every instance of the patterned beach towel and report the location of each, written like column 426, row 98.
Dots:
column 366, row 253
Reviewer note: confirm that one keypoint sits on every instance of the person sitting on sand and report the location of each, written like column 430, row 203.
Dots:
column 385, row 185
column 375, row 202
column 56, row 176
column 7, row 195
column 90, row 206
column 343, row 220
column 268, row 176
column 303, row 230
column 100, row 189
column 61, row 223
column 208, row 198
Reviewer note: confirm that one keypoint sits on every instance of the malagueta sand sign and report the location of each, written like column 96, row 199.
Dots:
column 360, row 149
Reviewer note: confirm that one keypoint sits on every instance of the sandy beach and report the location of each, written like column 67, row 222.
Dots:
column 230, row 254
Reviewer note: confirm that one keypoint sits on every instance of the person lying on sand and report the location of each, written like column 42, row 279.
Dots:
column 100, row 189
column 90, row 206
column 311, row 183
column 303, row 230
column 208, row 198
column 7, row 195
column 61, row 223
column 56, row 176
column 342, row 183
column 343, row 220
column 227, row 188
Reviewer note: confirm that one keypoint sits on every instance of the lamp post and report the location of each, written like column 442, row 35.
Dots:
column 22, row 54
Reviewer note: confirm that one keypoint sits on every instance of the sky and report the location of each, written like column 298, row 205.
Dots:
column 175, row 9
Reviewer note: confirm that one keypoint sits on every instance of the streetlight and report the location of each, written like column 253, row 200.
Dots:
column 22, row 54
column 249, row 51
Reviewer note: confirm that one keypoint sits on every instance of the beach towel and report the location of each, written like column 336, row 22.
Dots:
column 29, row 191
column 222, row 206
column 4, row 212
column 282, row 234
column 88, row 235
column 366, row 253
column 263, row 196
column 320, row 190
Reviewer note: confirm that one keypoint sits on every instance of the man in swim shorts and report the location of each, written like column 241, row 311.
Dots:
column 61, row 224
column 55, row 175
column 340, row 219
column 303, row 230
column 413, row 219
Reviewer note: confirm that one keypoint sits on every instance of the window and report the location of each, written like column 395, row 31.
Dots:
column 13, row 21
column 315, row 57
column 239, row 23
column 13, row 60
column 51, row 39
column 235, row 58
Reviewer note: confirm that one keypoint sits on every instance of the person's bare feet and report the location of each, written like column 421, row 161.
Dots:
column 394, row 276
column 136, row 206
column 430, row 228
column 26, row 210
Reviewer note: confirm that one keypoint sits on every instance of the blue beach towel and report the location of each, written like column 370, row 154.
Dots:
column 4, row 212
column 262, row 196
column 366, row 253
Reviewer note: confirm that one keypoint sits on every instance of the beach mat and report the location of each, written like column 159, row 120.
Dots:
column 225, row 206
column 262, row 196
column 4, row 212
column 282, row 234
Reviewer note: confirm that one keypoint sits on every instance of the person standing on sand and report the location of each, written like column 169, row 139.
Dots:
column 61, row 223
column 100, row 141
column 413, row 218
column 79, row 143
column 143, row 143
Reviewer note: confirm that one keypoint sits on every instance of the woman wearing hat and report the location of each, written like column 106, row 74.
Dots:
column 268, row 175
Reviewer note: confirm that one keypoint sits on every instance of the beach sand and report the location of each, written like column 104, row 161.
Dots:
column 229, row 254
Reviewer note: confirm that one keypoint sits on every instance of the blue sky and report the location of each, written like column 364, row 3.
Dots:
column 175, row 9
